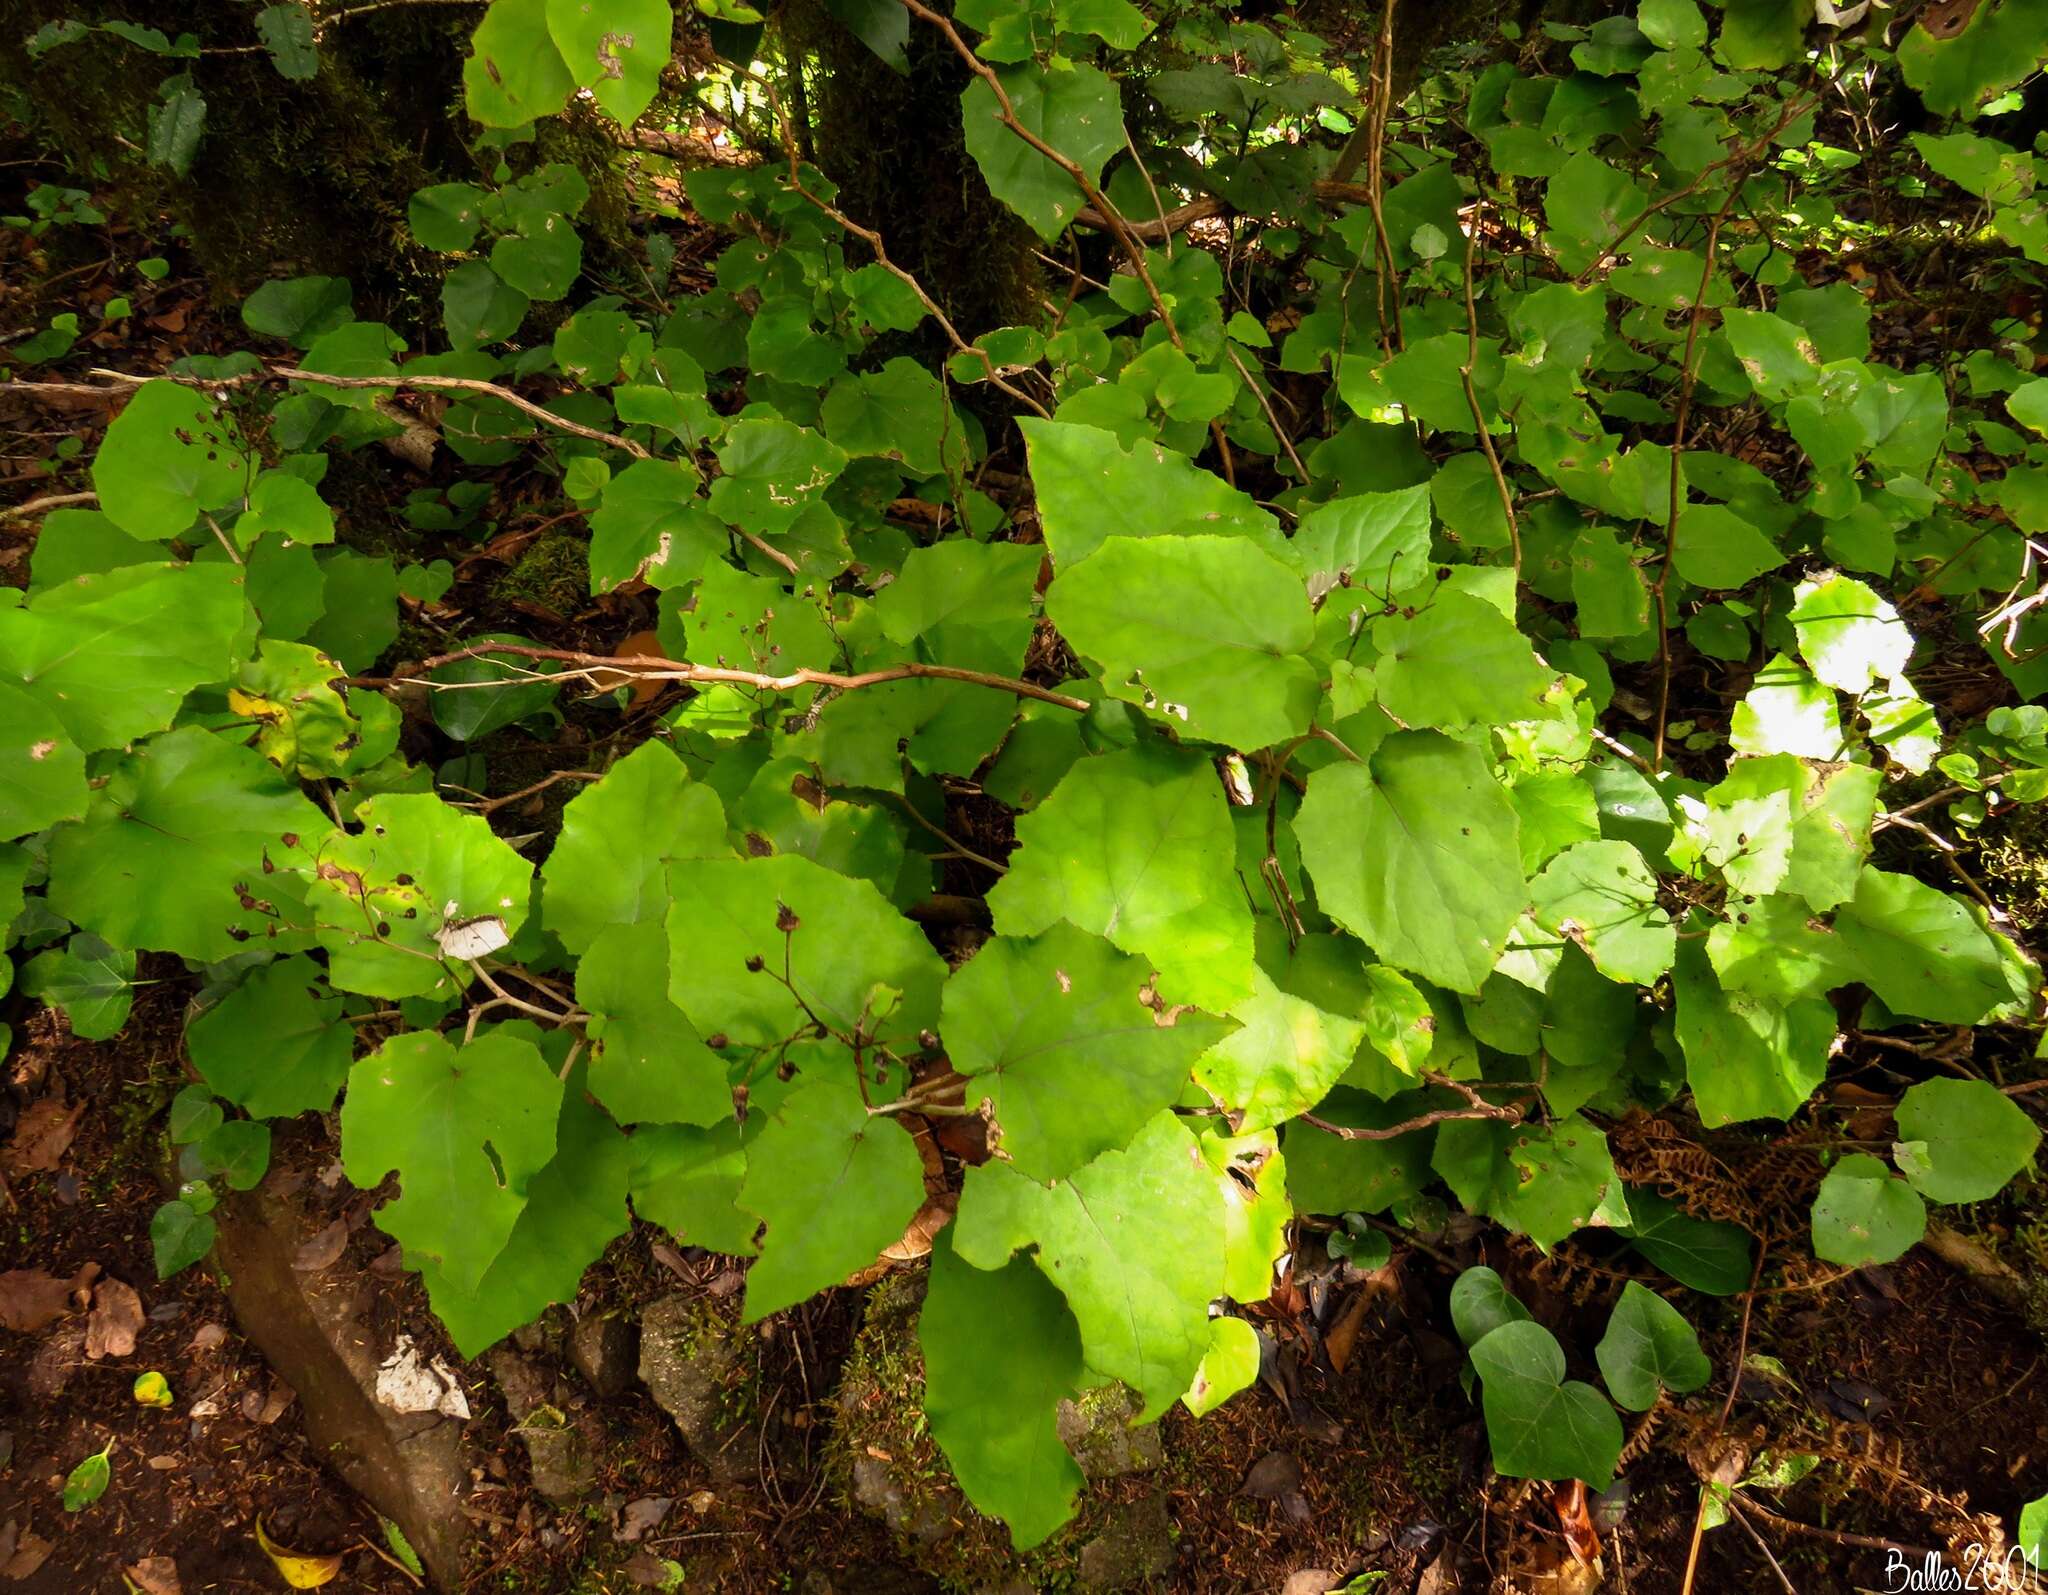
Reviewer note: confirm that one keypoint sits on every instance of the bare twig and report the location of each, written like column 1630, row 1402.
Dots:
column 1500, row 481
column 658, row 669
column 43, row 505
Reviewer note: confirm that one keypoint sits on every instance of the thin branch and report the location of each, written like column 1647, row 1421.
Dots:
column 43, row 505
column 1479, row 1108
column 1689, row 377
column 675, row 670
column 1375, row 177
column 1500, row 481
column 873, row 240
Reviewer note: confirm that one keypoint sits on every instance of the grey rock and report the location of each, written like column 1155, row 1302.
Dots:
column 603, row 1347
column 311, row 1329
column 1135, row 1544
column 556, row 1453
column 1098, row 1430
column 927, row 1518
column 692, row 1354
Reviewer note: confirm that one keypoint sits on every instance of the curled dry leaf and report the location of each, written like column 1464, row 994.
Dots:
column 43, row 1136
column 115, row 1321
column 155, row 1575
column 323, row 1250
column 298, row 1569
column 31, row 1298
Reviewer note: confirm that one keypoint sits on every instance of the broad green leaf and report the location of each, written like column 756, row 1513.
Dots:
column 42, row 771
column 1587, row 204
column 1832, row 807
column 1849, row 637
column 648, row 1064
column 608, row 865
column 1073, row 109
column 237, row 1152
column 1746, row 1057
column 1865, row 1214
column 487, row 693
column 1603, row 896
column 1300, row 1028
column 1378, row 542
column 1607, row 587
column 849, row 959
column 899, row 412
column 1787, row 711
column 1543, row 1181
column 2000, row 44
column 1137, row 846
column 1672, row 24
column 996, row 1417
column 1920, row 950
column 834, row 1184
column 1480, row 1303
column 1135, row 1242
column 1457, row 661
column 176, row 124
column 1329, row 1174
column 1090, row 487
column 287, row 505
column 651, row 525
column 1716, row 548
column 616, row 50
column 515, row 71
column 404, row 904
column 1540, row 1424
column 304, row 725
column 1416, row 852
column 1057, row 1035
column 1772, row 947
column 179, row 1236
column 1230, row 1365
column 1963, row 1140
column 1251, row 1178
column 193, row 846
column 479, row 307
column 446, row 216
column 686, row 1179
column 287, row 32
column 300, row 310
column 1649, row 1348
column 1205, row 631
column 770, row 472
column 276, row 1045
column 1703, row 1254
column 575, row 1207
column 465, row 1128
column 1775, row 354
column 112, row 656
column 92, row 983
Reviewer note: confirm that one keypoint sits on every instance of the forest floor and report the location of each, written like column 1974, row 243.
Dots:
column 1923, row 1398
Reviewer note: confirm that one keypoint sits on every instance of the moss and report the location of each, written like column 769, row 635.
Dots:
column 554, row 573
column 2012, row 858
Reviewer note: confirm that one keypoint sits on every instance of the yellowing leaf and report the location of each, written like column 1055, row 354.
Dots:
column 300, row 1570
column 152, row 1390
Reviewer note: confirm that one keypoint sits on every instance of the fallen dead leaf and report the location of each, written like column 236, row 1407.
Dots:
column 642, row 1515
column 155, row 1575
column 1343, row 1333
column 30, row 1552
column 31, row 1298
column 208, row 1336
column 115, row 1321
column 323, row 1250
column 43, row 1136
column 640, row 645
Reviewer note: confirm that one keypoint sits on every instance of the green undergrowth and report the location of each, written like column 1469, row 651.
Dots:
column 1347, row 698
